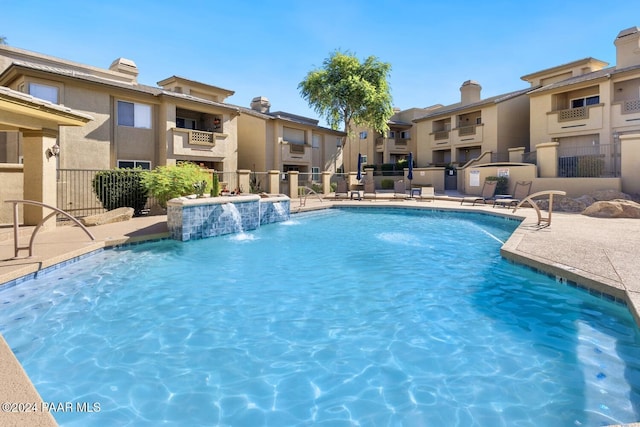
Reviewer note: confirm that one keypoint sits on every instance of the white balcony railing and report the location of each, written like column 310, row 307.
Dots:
column 296, row 148
column 631, row 106
column 573, row 114
column 466, row 130
column 197, row 137
column 443, row 134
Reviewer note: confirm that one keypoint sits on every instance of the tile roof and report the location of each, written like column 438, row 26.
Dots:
column 5, row 92
column 446, row 110
column 605, row 72
column 157, row 91
column 151, row 90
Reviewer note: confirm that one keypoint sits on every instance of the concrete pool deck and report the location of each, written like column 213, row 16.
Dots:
column 594, row 253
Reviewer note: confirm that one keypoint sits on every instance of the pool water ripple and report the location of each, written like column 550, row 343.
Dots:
column 346, row 318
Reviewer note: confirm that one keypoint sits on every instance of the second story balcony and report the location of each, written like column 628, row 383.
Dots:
column 575, row 110
column 625, row 114
column 192, row 142
column 468, row 134
column 588, row 117
column 441, row 135
column 392, row 145
column 296, row 153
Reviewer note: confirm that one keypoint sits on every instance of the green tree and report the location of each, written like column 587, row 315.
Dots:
column 349, row 92
column 166, row 182
column 3, row 40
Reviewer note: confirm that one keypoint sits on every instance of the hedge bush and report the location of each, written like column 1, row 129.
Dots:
column 168, row 182
column 590, row 166
column 387, row 184
column 502, row 187
column 120, row 188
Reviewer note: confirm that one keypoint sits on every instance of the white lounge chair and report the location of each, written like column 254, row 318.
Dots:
column 369, row 187
column 488, row 191
column 521, row 190
column 399, row 190
column 427, row 193
column 342, row 188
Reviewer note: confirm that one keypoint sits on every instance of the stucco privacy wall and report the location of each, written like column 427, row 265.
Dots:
column 12, row 188
column 630, row 160
column 478, row 174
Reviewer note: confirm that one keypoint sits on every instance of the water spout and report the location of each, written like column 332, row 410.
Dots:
column 231, row 214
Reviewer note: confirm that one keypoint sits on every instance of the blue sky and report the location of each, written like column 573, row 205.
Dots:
column 265, row 48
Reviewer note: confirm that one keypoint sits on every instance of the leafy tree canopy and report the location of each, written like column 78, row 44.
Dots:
column 346, row 91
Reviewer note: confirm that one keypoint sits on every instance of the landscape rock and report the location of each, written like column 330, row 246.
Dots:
column 604, row 195
column 562, row 204
column 586, row 199
column 115, row 215
column 617, row 208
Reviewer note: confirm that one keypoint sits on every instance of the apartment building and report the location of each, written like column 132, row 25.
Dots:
column 585, row 106
column 134, row 125
column 458, row 133
column 285, row 142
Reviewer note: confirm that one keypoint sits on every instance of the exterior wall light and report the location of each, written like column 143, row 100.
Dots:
column 53, row 151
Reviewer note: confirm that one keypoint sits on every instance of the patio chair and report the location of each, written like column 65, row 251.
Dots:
column 488, row 191
column 400, row 190
column 342, row 188
column 427, row 193
column 369, row 187
column 520, row 192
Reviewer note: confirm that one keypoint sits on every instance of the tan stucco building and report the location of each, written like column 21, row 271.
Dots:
column 569, row 113
column 584, row 107
column 134, row 124
column 458, row 133
column 285, row 142
column 38, row 123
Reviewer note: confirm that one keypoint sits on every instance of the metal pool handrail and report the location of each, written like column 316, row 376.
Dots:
column 529, row 199
column 16, row 246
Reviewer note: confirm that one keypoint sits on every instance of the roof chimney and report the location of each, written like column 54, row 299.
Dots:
column 627, row 48
column 125, row 66
column 260, row 104
column 470, row 92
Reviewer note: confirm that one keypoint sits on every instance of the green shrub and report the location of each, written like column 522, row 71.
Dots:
column 121, row 188
column 387, row 184
column 168, row 182
column 215, row 185
column 502, row 187
column 590, row 166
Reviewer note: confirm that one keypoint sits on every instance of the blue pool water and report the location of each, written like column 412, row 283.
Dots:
column 341, row 318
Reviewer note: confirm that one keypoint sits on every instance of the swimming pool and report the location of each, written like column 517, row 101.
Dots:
column 345, row 317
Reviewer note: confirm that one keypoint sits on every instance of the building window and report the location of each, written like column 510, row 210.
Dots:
column 391, row 134
column 132, row 164
column 134, row 115
column 293, row 136
column 364, row 159
column 405, row 134
column 315, row 174
column 582, row 102
column 46, row 92
column 183, row 123
column 316, row 141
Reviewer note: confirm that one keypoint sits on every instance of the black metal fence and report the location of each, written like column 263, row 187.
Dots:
column 594, row 161
column 530, row 157
column 77, row 196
